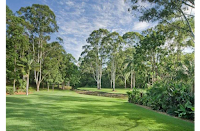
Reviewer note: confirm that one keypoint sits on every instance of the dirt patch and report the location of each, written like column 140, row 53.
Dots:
column 105, row 94
column 20, row 93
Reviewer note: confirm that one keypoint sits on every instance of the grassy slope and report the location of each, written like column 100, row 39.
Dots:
column 67, row 110
column 109, row 90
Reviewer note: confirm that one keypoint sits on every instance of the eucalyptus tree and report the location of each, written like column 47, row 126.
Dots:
column 112, row 45
column 131, row 39
column 151, row 44
column 26, row 64
column 165, row 11
column 170, row 53
column 95, row 54
column 130, row 65
column 44, row 23
column 121, row 67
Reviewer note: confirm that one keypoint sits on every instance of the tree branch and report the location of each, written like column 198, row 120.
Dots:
column 187, row 23
column 187, row 4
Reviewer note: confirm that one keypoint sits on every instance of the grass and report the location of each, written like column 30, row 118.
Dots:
column 69, row 111
column 109, row 90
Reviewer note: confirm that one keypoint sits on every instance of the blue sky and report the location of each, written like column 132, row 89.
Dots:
column 78, row 18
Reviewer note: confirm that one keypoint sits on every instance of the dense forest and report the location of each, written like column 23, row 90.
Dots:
column 153, row 59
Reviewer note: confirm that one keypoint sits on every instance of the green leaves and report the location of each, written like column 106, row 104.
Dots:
column 43, row 19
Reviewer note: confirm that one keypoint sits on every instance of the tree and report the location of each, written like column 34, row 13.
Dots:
column 131, row 39
column 26, row 64
column 17, row 43
column 121, row 67
column 94, row 53
column 151, row 44
column 165, row 10
column 112, row 45
column 53, row 58
column 44, row 22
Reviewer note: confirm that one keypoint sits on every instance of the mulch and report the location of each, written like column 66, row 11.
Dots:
column 20, row 93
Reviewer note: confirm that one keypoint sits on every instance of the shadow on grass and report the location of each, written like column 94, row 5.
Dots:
column 61, row 112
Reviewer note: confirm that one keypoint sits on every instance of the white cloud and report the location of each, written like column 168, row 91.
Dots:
column 77, row 19
column 140, row 25
column 69, row 3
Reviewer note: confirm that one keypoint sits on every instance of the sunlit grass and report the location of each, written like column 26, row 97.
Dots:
column 67, row 110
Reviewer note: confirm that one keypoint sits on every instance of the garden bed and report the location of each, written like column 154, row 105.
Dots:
column 19, row 93
column 105, row 94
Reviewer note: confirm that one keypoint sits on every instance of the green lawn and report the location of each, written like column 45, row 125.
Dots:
column 69, row 111
column 109, row 90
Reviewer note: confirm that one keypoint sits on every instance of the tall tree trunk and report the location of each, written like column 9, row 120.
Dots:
column 47, row 86
column 113, row 82
column 27, row 83
column 134, row 80
column 38, row 86
column 114, row 77
column 153, row 67
column 38, row 74
column 100, row 84
column 113, row 74
column 131, row 79
column 14, row 86
column 125, row 82
column 97, row 84
column 100, row 77
column 14, row 75
column 63, row 85
column 58, row 85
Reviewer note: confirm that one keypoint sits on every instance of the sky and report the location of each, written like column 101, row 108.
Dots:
column 78, row 18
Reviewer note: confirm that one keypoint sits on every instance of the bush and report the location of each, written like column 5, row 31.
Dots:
column 135, row 96
column 9, row 91
column 170, row 97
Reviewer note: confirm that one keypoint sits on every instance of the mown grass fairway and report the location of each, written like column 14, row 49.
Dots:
column 69, row 111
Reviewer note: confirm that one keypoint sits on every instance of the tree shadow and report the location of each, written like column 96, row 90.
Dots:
column 74, row 112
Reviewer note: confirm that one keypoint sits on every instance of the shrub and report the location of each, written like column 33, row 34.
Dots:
column 9, row 91
column 173, row 98
column 135, row 96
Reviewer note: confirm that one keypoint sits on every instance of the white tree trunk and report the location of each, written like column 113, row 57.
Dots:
column 27, row 84
column 134, row 80
column 125, row 82
column 47, row 86
column 131, row 79
column 14, row 76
